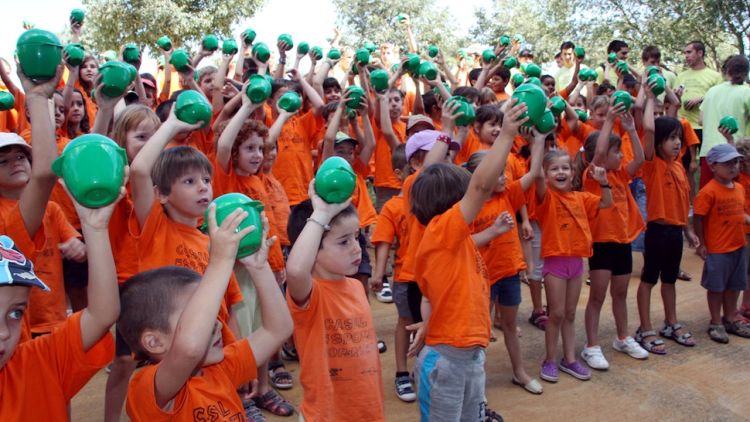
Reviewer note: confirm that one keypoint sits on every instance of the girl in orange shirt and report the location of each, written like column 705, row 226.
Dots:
column 77, row 120
column 564, row 216
column 613, row 230
column 667, row 203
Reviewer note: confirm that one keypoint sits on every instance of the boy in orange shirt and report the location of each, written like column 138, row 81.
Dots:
column 334, row 331
column 453, row 279
column 389, row 132
column 720, row 221
column 171, row 315
column 391, row 229
column 58, row 365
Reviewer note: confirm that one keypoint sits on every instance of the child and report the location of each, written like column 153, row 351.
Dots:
column 613, row 230
column 503, row 255
column 335, row 335
column 389, row 131
column 667, row 202
column 391, row 230
column 720, row 220
column 452, row 276
column 77, row 120
column 743, row 147
column 170, row 314
column 564, row 217
column 58, row 365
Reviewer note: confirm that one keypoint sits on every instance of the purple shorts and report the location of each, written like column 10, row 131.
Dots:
column 564, row 267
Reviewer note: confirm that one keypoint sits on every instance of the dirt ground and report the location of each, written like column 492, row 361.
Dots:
column 705, row 383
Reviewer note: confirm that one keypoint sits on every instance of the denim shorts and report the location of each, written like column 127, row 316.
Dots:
column 507, row 291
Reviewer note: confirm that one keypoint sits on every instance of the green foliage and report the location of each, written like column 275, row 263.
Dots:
column 112, row 23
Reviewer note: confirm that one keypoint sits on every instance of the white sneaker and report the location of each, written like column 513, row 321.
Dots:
column 385, row 295
column 594, row 358
column 631, row 347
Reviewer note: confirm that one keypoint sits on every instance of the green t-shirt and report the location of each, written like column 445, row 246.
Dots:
column 722, row 100
column 697, row 83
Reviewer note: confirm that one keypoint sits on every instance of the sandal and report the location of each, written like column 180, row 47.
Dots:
column 539, row 320
column 718, row 333
column 684, row 276
column 490, row 415
column 650, row 346
column 670, row 332
column 278, row 375
column 289, row 352
column 252, row 412
column 737, row 328
column 274, row 403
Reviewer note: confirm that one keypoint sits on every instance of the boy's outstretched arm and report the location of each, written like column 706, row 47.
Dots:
column 329, row 139
column 198, row 321
column 33, row 201
column 277, row 322
column 484, row 179
column 299, row 266
column 103, row 294
column 142, row 185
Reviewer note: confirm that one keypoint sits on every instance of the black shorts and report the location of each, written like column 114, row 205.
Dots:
column 414, row 296
column 663, row 253
column 121, row 347
column 611, row 256
column 75, row 274
column 364, row 265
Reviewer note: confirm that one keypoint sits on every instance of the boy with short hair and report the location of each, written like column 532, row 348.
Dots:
column 56, row 366
column 453, row 280
column 720, row 219
column 170, row 315
column 335, row 335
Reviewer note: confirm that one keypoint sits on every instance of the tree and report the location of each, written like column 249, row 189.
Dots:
column 369, row 20
column 112, row 23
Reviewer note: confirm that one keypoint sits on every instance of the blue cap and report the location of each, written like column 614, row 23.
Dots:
column 722, row 153
column 15, row 269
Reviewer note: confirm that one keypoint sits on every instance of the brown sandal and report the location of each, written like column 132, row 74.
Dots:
column 274, row 403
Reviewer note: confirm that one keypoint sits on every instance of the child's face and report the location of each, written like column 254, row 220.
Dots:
column 339, row 252
column 567, row 57
column 579, row 104
column 136, row 138
column 559, row 173
column 489, row 131
column 614, row 158
column 658, row 109
column 150, row 96
column 75, row 114
column 345, row 150
column 395, row 105
column 599, row 116
column 88, row 71
column 497, row 83
column 206, row 83
column 670, row 148
column 331, row 94
column 59, row 111
column 726, row 172
column 249, row 155
column 15, row 168
column 549, row 86
column 190, row 195
column 269, row 157
column 13, row 301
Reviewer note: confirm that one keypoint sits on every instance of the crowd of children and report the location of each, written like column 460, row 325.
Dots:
column 458, row 202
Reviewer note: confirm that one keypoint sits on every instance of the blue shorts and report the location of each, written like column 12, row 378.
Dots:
column 507, row 290
column 638, row 190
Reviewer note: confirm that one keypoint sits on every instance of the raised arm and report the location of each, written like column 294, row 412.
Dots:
column 384, row 121
column 197, row 323
column 367, row 141
column 484, row 179
column 33, row 201
column 217, row 99
column 229, row 134
column 279, row 71
column 331, row 130
column 105, row 113
column 316, row 101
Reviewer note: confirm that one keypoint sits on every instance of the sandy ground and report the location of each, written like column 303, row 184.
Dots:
column 705, row 383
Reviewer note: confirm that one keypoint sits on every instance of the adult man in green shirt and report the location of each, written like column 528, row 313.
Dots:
column 696, row 80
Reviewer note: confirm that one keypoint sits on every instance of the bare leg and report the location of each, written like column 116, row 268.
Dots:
column 511, row 342
column 556, row 294
column 402, row 343
column 715, row 302
column 597, row 294
column 572, row 294
column 619, row 293
column 730, row 304
column 117, row 387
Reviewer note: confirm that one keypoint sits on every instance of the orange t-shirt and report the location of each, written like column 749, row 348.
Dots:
column 391, row 228
column 279, row 204
column 723, row 211
column 88, row 102
column 415, row 230
column 12, row 225
column 689, row 137
column 452, row 275
column 210, row 396
column 384, row 175
column 470, row 146
column 47, row 310
column 361, row 196
column 339, row 360
column 22, row 123
column 501, row 96
column 667, row 191
column 163, row 241
column 253, row 187
column 7, row 121
column 564, row 219
column 44, row 374
column 744, row 180
column 124, row 245
column 622, row 222
column 503, row 255
column 293, row 166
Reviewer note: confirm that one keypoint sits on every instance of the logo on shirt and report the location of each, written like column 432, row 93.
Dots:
column 216, row 412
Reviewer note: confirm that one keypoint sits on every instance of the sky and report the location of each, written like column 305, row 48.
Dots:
column 312, row 20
